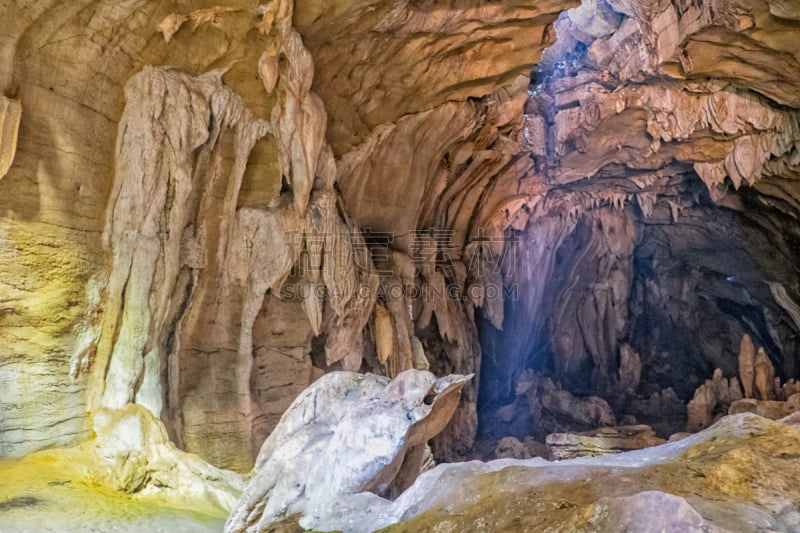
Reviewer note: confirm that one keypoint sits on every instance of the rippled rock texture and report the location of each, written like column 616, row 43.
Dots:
column 182, row 222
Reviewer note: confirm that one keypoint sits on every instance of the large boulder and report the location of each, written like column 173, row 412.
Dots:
column 347, row 433
column 590, row 411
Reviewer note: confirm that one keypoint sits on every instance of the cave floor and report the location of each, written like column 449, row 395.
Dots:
column 51, row 491
column 741, row 475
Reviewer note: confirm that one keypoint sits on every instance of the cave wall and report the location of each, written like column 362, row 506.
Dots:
column 220, row 201
column 182, row 173
column 117, row 164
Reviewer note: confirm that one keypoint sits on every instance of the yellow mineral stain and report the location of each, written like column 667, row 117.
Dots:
column 54, row 491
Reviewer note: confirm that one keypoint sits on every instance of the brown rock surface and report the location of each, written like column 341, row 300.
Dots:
column 711, row 401
column 774, row 410
column 747, row 356
column 186, row 218
column 10, row 115
column 764, row 376
column 513, row 448
column 345, row 434
column 650, row 162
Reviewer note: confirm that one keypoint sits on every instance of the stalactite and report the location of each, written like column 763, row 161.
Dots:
column 191, row 224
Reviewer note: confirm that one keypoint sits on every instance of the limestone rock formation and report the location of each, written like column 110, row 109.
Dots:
column 653, row 154
column 591, row 411
column 129, row 473
column 764, row 376
column 675, row 487
column 660, row 404
column 630, row 368
column 747, row 356
column 761, row 392
column 758, row 375
column 722, row 478
column 600, row 442
column 774, row 410
column 548, row 408
column 712, row 400
column 50, row 491
column 789, row 389
column 512, row 448
column 193, row 258
column 132, row 454
column 171, row 186
column 345, row 434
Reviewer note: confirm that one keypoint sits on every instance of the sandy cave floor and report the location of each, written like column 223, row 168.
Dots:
column 48, row 491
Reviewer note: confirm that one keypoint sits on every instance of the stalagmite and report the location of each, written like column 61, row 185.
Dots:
column 711, row 400
column 630, row 368
column 10, row 116
column 384, row 333
column 701, row 407
column 747, row 355
column 764, row 376
column 420, row 359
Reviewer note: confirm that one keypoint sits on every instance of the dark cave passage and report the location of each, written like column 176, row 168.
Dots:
column 677, row 287
column 646, row 260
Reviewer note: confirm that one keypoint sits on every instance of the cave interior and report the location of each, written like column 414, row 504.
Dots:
column 491, row 230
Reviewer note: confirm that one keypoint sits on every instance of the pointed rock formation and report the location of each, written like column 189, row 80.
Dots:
column 711, row 401
column 193, row 258
column 630, row 368
column 764, row 380
column 747, row 357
